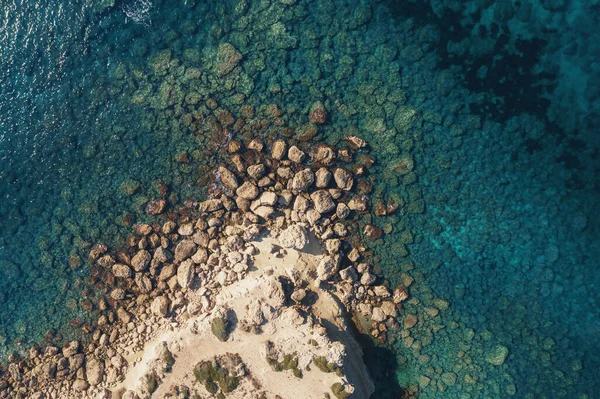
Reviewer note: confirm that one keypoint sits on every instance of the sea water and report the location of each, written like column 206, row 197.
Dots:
column 481, row 122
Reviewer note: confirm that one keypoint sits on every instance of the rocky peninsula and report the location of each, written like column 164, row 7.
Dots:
column 252, row 293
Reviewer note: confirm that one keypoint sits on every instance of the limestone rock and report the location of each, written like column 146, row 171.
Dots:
column 322, row 201
column 184, row 250
column 343, row 179
column 185, row 273
column 227, row 178
column 247, row 191
column 278, row 149
column 160, row 306
column 141, row 260
column 323, row 177
column 303, row 180
column 294, row 236
column 296, row 155
column 256, row 171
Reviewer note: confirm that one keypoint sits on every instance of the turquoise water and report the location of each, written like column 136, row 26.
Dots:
column 104, row 106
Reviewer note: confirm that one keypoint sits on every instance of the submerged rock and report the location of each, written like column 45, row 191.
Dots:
column 227, row 58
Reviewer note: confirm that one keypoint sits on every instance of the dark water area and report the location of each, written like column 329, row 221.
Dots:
column 482, row 117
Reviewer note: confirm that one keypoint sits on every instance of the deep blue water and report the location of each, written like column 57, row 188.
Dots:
column 499, row 224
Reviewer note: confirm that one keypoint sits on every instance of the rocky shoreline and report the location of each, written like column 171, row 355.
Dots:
column 279, row 221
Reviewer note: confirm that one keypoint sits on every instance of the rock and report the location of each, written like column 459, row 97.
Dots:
column 94, row 371
column 367, row 279
column 317, row 113
column 117, row 294
column 264, row 212
column 303, row 180
column 267, row 198
column 378, row 315
column 327, row 267
column 121, row 271
column 358, row 203
column 185, row 273
column 301, row 204
column 322, row 201
column 333, row 246
column 80, row 385
column 296, row 155
column 143, row 282
column 256, row 171
column 381, row 291
column 356, row 142
column 211, row 205
column 323, row 154
column 160, row 306
column 372, row 231
column 349, row 274
column 389, row 309
column 298, row 295
column 323, row 177
column 167, row 272
column 256, row 145
column 400, row 295
column 161, row 255
column 141, row 260
column 410, row 320
column 278, row 149
column 343, row 179
column 186, row 229
column 312, row 216
column 496, row 355
column 71, row 349
column 342, row 211
column 247, row 191
column 184, row 250
column 354, row 255
column 156, row 207
column 123, row 315
column 294, row 236
column 227, row 178
column 227, row 59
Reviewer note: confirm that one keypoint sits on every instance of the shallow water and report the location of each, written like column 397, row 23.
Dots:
column 100, row 110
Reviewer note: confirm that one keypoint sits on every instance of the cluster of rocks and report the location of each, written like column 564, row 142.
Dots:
column 290, row 190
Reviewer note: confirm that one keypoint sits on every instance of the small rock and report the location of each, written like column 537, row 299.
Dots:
column 410, row 320
column 247, row 191
column 322, row 201
column 342, row 211
column 356, row 142
column 185, row 273
column 184, row 250
column 141, row 260
column 343, row 179
column 278, row 149
column 256, row 171
column 121, row 271
column 296, row 155
column 317, row 113
column 160, row 306
column 227, row 178
column 156, row 207
column 323, row 177
column 372, row 231
column 303, row 180
column 358, row 203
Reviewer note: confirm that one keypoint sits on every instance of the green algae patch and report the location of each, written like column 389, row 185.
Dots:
column 290, row 362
